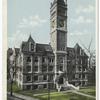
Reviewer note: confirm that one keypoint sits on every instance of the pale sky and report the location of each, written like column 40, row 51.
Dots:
column 27, row 17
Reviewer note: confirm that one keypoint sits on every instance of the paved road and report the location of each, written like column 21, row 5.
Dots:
column 13, row 98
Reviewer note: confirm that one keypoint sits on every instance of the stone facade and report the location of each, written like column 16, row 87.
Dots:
column 77, row 65
column 58, row 19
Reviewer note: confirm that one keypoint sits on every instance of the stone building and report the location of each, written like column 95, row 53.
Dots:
column 38, row 65
column 35, row 65
column 77, row 65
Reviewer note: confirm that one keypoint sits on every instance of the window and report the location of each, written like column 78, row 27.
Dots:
column 28, row 87
column 35, row 86
column 28, row 68
column 45, row 86
column 28, row 78
column 61, row 81
column 83, row 83
column 50, row 77
column 36, row 59
column 83, row 69
column 61, row 68
column 32, row 47
column 35, row 78
column 36, row 68
column 80, row 68
column 51, row 60
column 43, row 59
column 44, row 68
column 50, row 68
column 45, row 77
column 79, row 75
column 83, row 76
column 28, row 59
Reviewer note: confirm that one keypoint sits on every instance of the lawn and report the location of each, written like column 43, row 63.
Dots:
column 15, row 88
column 62, row 96
column 54, row 95
column 88, row 90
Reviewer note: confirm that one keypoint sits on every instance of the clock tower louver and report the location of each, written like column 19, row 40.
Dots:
column 58, row 34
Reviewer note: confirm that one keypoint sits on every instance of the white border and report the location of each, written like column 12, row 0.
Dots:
column 98, row 72
column 97, row 50
column 0, row 49
column 2, row 90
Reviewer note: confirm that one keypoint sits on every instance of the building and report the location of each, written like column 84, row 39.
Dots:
column 77, row 65
column 38, row 65
column 9, row 54
column 35, row 65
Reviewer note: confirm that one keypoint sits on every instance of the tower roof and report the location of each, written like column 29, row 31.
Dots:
column 59, row 2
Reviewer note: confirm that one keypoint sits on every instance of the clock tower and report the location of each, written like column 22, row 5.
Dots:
column 58, row 34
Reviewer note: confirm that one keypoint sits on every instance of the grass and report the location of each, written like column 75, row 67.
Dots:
column 61, row 96
column 15, row 88
column 54, row 95
column 88, row 90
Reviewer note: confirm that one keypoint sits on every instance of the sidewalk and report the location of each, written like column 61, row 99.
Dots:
column 24, row 97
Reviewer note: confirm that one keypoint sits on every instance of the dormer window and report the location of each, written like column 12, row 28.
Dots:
column 31, row 46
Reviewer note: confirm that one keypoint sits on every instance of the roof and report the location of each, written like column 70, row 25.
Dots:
column 39, row 47
column 43, row 47
column 24, row 46
column 60, row 2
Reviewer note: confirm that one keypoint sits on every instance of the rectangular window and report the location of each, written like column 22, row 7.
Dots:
column 32, row 47
column 28, row 68
column 35, row 78
column 43, row 60
column 50, row 68
column 36, row 68
column 28, row 59
column 61, row 68
column 51, row 60
column 35, row 86
column 50, row 77
column 44, row 68
column 28, row 78
column 83, row 69
column 45, row 86
column 80, row 68
column 79, row 75
column 36, row 59
column 45, row 77
column 83, row 76
column 28, row 87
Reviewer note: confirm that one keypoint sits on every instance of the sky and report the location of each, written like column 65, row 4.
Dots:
column 27, row 17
